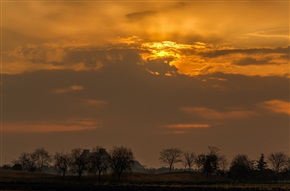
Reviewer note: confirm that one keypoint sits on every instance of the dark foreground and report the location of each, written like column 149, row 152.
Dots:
column 185, row 181
column 73, row 187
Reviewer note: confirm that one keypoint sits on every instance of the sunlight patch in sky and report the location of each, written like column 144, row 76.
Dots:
column 276, row 106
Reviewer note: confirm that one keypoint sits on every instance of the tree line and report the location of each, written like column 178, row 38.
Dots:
column 77, row 161
column 273, row 166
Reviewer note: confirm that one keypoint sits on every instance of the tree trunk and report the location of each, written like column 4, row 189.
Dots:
column 99, row 177
column 119, row 178
column 63, row 173
column 79, row 175
column 170, row 167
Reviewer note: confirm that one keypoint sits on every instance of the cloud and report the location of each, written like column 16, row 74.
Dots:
column 183, row 128
column 187, row 126
column 223, row 52
column 276, row 106
column 68, row 89
column 140, row 15
column 76, row 58
column 271, row 33
column 211, row 114
column 252, row 61
column 163, row 58
column 71, row 125
column 201, row 58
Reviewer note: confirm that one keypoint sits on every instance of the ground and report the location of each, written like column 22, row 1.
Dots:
column 183, row 181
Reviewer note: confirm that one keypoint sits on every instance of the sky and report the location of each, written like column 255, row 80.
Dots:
column 147, row 75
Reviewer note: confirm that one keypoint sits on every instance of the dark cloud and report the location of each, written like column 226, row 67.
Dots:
column 225, row 52
column 90, row 57
column 161, row 66
column 141, row 15
column 252, row 61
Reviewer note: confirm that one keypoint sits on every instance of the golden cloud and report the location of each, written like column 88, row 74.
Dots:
column 276, row 106
column 187, row 126
column 197, row 58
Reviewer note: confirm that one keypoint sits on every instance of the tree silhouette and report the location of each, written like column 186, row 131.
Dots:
column 26, row 162
column 241, row 167
column 199, row 161
column 62, row 161
column 277, row 160
column 99, row 160
column 188, row 159
column 79, row 161
column 261, row 163
column 223, row 163
column 170, row 156
column 211, row 161
column 41, row 158
column 121, row 160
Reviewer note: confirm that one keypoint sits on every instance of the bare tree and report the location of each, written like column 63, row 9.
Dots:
column 41, row 158
column 288, row 164
column 62, row 161
column 241, row 167
column 170, row 156
column 26, row 162
column 99, row 160
column 188, row 159
column 199, row 161
column 223, row 163
column 121, row 160
column 277, row 160
column 79, row 160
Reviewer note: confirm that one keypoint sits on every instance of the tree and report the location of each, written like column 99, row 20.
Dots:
column 211, row 162
column 223, row 163
column 188, row 160
column 199, row 161
column 241, row 167
column 170, row 156
column 121, row 160
column 288, row 164
column 25, row 160
column 41, row 158
column 79, row 160
column 99, row 161
column 62, row 161
column 277, row 160
column 261, row 163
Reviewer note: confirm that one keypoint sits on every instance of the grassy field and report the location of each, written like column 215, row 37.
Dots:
column 183, row 181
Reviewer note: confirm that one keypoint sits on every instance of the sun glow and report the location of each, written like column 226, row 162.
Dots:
column 181, row 56
column 165, row 49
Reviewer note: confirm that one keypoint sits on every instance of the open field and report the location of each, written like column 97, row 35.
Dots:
column 17, row 180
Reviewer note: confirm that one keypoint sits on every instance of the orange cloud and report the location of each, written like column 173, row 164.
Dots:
column 276, row 106
column 201, row 58
column 187, row 126
column 183, row 128
column 208, row 113
column 82, row 124
column 68, row 89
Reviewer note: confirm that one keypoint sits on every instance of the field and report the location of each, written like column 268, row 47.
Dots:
column 183, row 181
